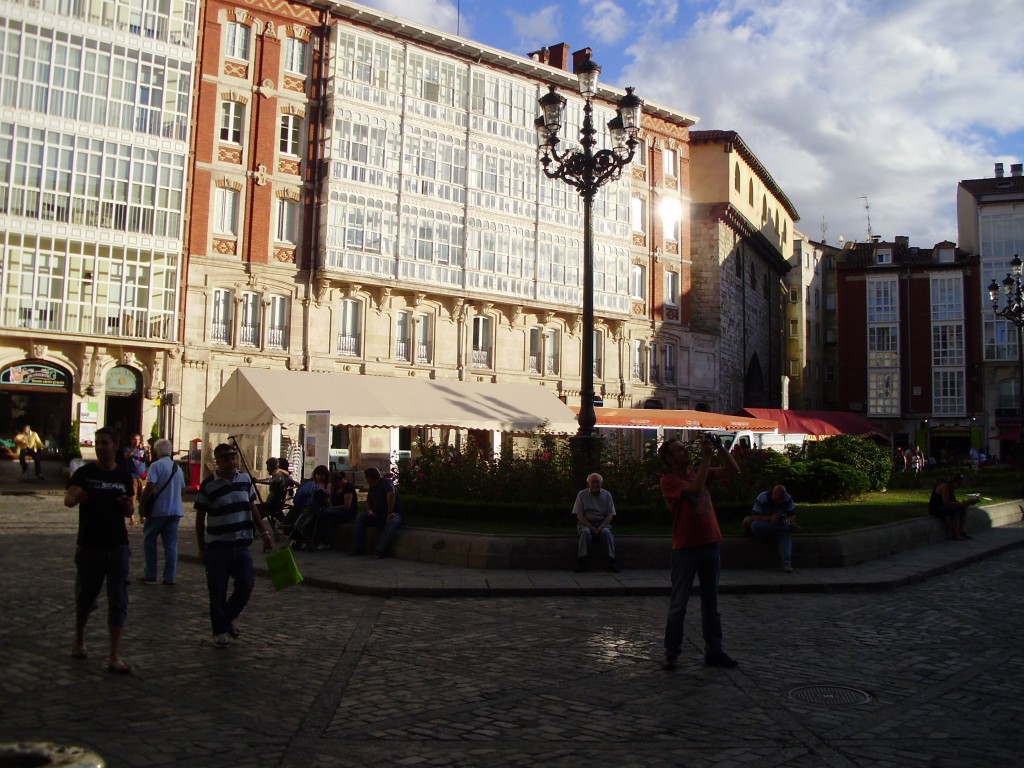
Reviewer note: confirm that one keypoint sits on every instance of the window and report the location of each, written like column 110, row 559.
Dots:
column 883, row 256
column 817, row 298
column 349, row 328
column 883, row 393
column 882, row 300
column 249, row 327
column 277, row 322
column 653, row 374
column 670, row 365
column 232, row 117
column 636, row 357
column 551, row 352
column 736, row 178
column 794, row 295
column 670, row 163
column 948, row 392
column 638, row 281
column 236, row 45
column 225, row 211
column 291, row 134
column 794, row 328
column 672, row 289
column 536, row 350
column 423, row 338
column 794, row 368
column 220, row 327
column 287, row 221
column 947, row 298
column 295, row 56
column 830, row 372
column 883, row 346
column 830, row 301
column 638, row 214
column 481, row 342
column 403, row 349
column 830, row 337
column 671, row 214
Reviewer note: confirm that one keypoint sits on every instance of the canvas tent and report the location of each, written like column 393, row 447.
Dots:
column 255, row 405
column 643, row 418
column 816, row 423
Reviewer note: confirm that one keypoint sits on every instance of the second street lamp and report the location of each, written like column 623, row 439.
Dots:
column 587, row 170
column 1014, row 312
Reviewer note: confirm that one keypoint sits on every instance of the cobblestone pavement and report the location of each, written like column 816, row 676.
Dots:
column 322, row 678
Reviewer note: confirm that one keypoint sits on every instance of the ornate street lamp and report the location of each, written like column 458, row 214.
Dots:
column 587, row 171
column 1014, row 312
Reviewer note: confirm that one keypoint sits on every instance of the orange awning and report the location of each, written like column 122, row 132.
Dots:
column 643, row 418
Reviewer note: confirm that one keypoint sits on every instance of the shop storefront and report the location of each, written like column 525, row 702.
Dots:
column 38, row 394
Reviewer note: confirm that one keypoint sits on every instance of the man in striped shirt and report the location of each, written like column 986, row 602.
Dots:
column 226, row 514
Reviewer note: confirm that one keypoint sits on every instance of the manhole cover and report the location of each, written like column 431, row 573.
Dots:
column 829, row 694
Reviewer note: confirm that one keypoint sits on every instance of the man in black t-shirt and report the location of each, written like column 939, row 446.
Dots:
column 102, row 490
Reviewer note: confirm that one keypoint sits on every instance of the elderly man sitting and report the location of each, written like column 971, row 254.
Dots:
column 594, row 510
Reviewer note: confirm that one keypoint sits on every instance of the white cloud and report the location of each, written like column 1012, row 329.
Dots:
column 438, row 14
column 537, row 29
column 894, row 101
column 604, row 21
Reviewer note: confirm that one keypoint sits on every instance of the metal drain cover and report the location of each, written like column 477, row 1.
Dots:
column 829, row 694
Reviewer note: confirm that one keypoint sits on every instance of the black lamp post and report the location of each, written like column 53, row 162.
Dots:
column 1014, row 312
column 587, row 170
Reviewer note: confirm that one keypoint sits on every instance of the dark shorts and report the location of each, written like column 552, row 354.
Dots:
column 94, row 566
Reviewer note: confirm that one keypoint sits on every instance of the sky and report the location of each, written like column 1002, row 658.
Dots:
column 865, row 112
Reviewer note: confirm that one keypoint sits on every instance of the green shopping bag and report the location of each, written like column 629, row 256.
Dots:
column 283, row 570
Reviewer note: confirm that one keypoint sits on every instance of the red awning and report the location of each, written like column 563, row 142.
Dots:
column 815, row 422
column 1011, row 435
column 643, row 418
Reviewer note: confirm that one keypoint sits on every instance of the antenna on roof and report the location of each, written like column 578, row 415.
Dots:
column 824, row 230
column 867, row 213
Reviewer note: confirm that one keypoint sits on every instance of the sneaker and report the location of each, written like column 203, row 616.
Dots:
column 321, row 547
column 614, row 567
column 145, row 580
column 221, row 640
column 233, row 630
column 669, row 663
column 719, row 659
column 168, row 583
column 787, row 568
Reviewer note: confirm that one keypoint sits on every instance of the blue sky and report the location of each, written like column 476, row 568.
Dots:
column 894, row 101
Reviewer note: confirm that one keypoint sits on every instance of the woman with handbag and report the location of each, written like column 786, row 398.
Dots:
column 162, row 512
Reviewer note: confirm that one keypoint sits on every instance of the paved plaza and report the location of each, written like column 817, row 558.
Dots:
column 322, row 677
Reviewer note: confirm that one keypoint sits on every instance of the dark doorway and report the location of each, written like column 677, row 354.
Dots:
column 124, row 403
column 38, row 394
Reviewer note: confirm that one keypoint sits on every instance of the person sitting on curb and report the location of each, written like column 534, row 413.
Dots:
column 594, row 510
column 775, row 518
column 383, row 510
column 943, row 503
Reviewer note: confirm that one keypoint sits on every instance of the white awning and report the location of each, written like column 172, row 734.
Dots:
column 257, row 398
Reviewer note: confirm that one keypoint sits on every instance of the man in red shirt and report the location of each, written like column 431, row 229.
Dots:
column 695, row 544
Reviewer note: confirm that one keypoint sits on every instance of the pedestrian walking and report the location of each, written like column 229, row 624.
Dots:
column 102, row 491
column 163, row 510
column 226, row 515
column 695, row 544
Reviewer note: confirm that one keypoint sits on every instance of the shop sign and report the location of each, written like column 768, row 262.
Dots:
column 34, row 375
column 122, row 382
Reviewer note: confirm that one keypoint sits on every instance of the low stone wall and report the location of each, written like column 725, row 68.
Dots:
column 558, row 552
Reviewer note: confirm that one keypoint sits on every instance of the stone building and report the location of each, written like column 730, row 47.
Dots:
column 741, row 245
column 990, row 223
column 95, row 100
column 367, row 201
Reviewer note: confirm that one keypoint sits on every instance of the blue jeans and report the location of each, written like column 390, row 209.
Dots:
column 233, row 561
column 704, row 562
column 783, row 535
column 167, row 529
column 586, row 539
column 387, row 536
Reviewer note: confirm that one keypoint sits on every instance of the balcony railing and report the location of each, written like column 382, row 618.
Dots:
column 249, row 335
column 481, row 358
column 654, row 373
column 348, row 345
column 275, row 338
column 534, row 363
column 552, row 365
column 422, row 353
column 670, row 375
column 220, row 333
column 402, row 350
column 638, row 372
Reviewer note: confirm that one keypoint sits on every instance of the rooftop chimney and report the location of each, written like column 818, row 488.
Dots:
column 999, row 170
column 578, row 57
column 1017, row 169
column 903, row 240
column 558, row 56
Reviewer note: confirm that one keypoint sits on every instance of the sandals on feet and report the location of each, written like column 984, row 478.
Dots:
column 119, row 667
